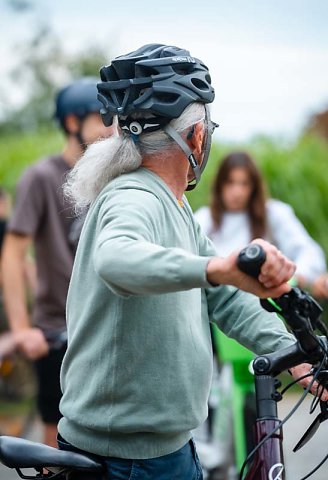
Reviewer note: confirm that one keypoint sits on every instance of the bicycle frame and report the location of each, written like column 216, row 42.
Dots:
column 268, row 462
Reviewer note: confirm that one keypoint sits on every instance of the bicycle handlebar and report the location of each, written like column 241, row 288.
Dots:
column 251, row 259
column 297, row 307
column 301, row 313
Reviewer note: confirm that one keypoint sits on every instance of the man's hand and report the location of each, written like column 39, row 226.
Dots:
column 316, row 388
column 31, row 342
column 273, row 278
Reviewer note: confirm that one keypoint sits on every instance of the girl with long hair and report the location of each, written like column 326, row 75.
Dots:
column 241, row 211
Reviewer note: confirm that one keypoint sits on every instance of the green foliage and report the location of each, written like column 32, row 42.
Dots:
column 295, row 173
column 19, row 151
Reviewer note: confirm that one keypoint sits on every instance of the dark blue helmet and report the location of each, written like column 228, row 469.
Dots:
column 78, row 98
column 158, row 79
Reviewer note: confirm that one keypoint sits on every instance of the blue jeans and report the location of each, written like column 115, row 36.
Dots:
column 180, row 465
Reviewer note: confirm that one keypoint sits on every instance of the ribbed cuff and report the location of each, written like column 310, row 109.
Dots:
column 193, row 272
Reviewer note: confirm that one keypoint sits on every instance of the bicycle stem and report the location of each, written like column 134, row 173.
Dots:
column 276, row 362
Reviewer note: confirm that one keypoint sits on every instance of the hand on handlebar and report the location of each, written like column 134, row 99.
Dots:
column 272, row 280
column 32, row 343
column 316, row 388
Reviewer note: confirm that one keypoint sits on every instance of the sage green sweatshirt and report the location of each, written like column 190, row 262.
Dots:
column 137, row 372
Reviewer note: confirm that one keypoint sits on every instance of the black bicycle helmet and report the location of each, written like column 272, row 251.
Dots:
column 158, row 79
column 79, row 98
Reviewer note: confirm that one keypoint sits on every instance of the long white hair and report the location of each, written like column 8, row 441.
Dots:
column 110, row 157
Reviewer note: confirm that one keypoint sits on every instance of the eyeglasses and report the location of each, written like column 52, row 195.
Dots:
column 211, row 126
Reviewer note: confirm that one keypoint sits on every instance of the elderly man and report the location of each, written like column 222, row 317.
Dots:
column 146, row 282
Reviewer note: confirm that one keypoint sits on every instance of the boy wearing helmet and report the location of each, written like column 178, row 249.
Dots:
column 149, row 280
column 43, row 217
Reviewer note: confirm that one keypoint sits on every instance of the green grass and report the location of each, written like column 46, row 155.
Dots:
column 19, row 151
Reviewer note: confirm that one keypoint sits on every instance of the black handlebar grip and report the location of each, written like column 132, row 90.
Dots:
column 251, row 259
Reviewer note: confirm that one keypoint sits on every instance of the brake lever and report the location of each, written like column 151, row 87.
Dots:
column 323, row 415
column 294, row 301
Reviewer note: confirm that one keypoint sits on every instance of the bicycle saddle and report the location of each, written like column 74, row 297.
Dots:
column 20, row 453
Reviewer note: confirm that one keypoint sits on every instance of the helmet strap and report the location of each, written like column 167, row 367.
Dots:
column 80, row 140
column 184, row 146
column 79, row 137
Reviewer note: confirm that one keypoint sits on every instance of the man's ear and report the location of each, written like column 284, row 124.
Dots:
column 72, row 124
column 195, row 138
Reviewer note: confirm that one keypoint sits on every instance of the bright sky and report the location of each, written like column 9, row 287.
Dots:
column 268, row 58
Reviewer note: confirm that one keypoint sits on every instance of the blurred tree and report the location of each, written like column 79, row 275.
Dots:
column 318, row 124
column 43, row 68
column 20, row 5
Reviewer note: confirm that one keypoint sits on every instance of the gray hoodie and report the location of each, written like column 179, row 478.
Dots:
column 137, row 373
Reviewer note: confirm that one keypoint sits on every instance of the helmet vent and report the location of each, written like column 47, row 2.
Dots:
column 183, row 69
column 159, row 79
column 198, row 83
column 167, row 97
column 148, row 71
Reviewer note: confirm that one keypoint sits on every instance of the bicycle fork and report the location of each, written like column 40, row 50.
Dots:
column 268, row 462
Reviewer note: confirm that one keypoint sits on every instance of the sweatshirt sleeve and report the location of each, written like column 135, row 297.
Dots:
column 240, row 316
column 128, row 255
